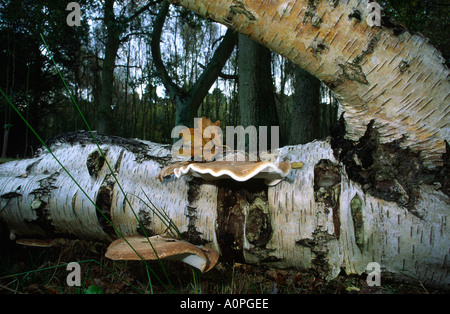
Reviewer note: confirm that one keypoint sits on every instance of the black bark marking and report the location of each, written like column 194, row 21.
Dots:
column 192, row 235
column 311, row 14
column 356, row 14
column 353, row 72
column 403, row 66
column 119, row 162
column 104, row 203
column 31, row 166
column 94, row 163
column 318, row 47
column 335, row 3
column 46, row 185
column 327, row 189
column 237, row 7
column 10, row 195
column 240, row 8
column 368, row 51
column 396, row 27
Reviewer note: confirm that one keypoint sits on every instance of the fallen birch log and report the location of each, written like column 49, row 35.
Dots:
column 317, row 218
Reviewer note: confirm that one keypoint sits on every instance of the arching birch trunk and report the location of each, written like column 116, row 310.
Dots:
column 382, row 73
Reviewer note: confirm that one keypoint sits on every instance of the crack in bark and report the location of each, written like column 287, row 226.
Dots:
column 104, row 203
column 318, row 244
column 140, row 149
column 145, row 220
column 43, row 220
column 327, row 189
column 95, row 162
column 192, row 235
column 258, row 229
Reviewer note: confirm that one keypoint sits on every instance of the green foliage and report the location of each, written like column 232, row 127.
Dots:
column 93, row 289
column 429, row 17
column 25, row 74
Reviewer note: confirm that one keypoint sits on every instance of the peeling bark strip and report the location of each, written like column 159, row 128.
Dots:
column 258, row 228
column 385, row 74
column 192, row 234
column 327, row 189
column 358, row 221
column 317, row 219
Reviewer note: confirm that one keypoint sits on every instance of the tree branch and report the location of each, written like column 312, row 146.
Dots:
column 213, row 69
column 170, row 86
column 125, row 38
column 144, row 8
column 223, row 75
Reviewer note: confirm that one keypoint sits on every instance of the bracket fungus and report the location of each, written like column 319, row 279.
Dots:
column 241, row 171
column 162, row 247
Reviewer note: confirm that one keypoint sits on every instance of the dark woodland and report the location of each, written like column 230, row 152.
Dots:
column 138, row 68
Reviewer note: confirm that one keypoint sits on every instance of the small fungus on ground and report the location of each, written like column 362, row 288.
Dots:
column 162, row 247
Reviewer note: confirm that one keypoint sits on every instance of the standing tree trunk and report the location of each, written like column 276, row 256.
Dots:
column 6, row 128
column 115, row 28
column 109, row 63
column 305, row 123
column 256, row 97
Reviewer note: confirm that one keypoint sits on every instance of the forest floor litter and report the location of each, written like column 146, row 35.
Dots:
column 34, row 270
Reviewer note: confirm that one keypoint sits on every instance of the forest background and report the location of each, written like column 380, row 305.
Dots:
column 137, row 68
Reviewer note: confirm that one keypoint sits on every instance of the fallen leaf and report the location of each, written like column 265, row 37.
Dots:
column 296, row 165
column 199, row 141
column 352, row 289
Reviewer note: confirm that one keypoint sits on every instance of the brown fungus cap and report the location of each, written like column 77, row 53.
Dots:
column 36, row 242
column 240, row 171
column 162, row 248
